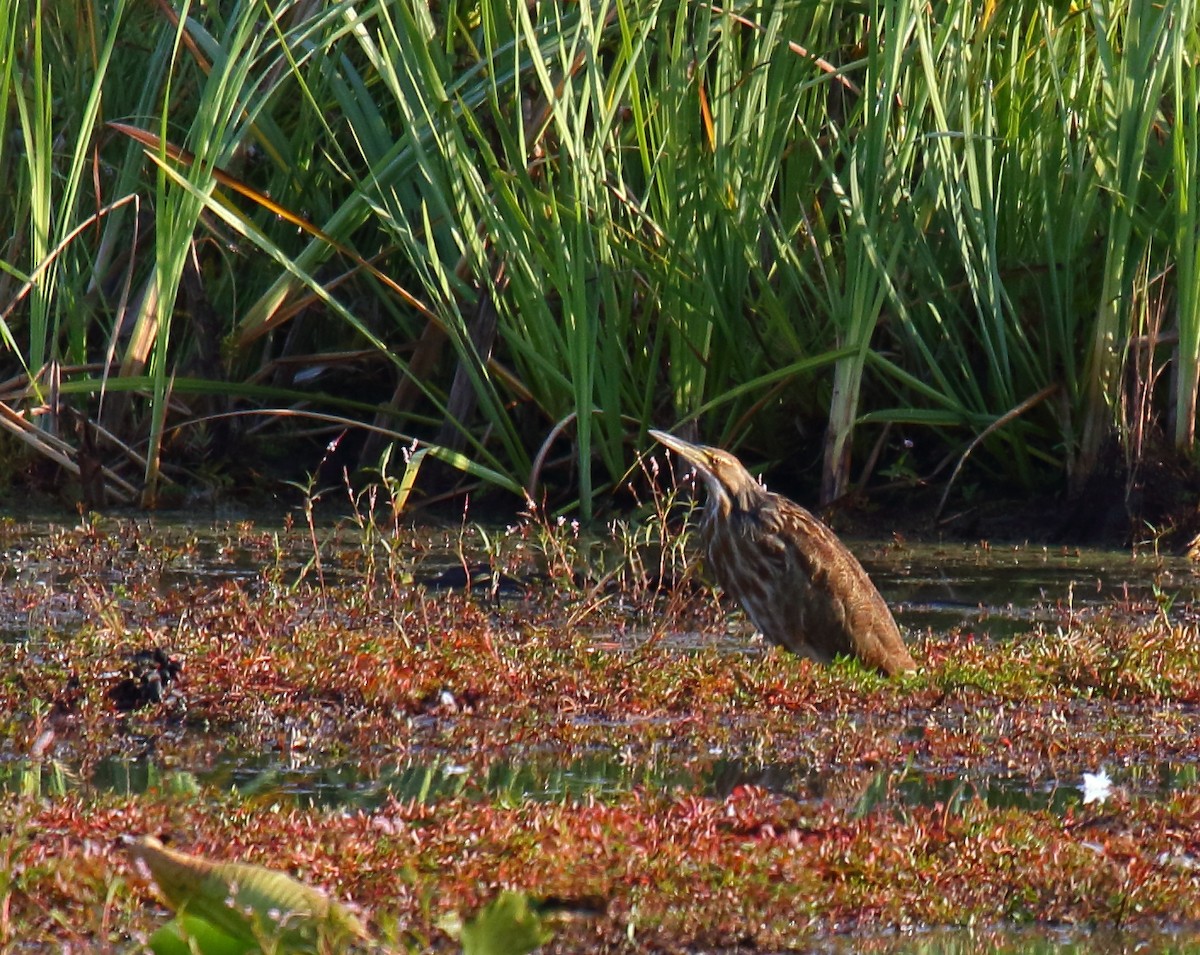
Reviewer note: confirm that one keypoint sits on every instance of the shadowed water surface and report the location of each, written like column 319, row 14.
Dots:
column 1001, row 591
column 366, row 786
column 998, row 589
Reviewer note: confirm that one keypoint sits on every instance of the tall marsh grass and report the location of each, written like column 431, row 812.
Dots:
column 524, row 233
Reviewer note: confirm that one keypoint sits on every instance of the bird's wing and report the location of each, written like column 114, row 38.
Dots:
column 843, row 613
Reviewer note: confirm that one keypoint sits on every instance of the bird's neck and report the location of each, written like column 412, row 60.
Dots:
column 729, row 503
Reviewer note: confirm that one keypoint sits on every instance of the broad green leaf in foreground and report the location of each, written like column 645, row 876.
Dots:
column 247, row 903
column 189, row 935
column 508, row 925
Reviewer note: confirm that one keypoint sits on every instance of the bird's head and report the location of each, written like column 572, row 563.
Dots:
column 728, row 482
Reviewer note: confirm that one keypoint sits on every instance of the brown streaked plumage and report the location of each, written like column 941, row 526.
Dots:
column 797, row 582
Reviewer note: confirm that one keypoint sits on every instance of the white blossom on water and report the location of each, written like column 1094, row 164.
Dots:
column 1097, row 787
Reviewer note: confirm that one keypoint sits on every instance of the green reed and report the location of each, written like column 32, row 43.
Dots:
column 554, row 226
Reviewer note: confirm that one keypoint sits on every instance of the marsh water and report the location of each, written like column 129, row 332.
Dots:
column 992, row 593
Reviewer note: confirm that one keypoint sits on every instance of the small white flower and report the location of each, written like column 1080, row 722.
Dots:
column 1096, row 787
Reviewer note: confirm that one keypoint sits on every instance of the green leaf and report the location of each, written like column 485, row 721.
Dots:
column 187, row 935
column 508, row 925
column 248, row 903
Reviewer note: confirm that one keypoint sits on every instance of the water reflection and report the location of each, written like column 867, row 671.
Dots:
column 1010, row 589
column 367, row 787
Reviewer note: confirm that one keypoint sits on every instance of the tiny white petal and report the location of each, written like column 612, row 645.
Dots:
column 1096, row 787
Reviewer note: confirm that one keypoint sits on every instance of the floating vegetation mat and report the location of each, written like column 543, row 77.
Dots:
column 419, row 723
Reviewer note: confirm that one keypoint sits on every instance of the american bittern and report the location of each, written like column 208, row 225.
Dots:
column 797, row 582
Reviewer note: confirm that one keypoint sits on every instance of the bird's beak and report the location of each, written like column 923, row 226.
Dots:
column 694, row 454
column 702, row 460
